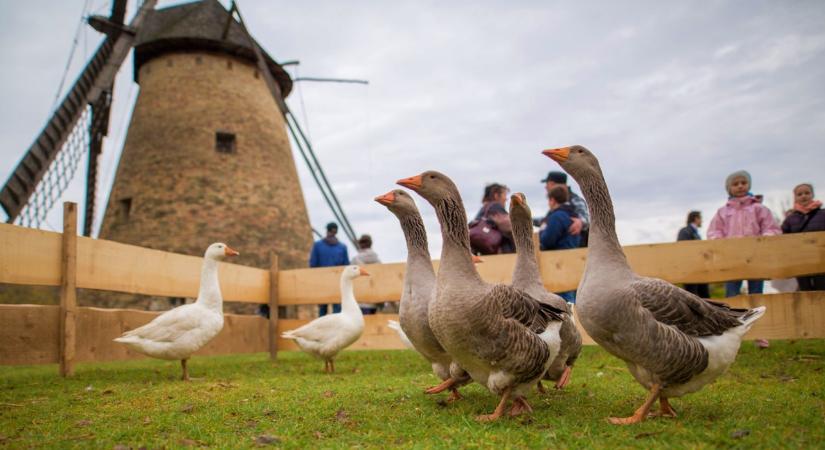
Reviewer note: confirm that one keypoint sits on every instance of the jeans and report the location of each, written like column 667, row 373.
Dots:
column 732, row 288
column 322, row 309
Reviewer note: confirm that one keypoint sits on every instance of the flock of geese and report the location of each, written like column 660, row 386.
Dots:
column 507, row 338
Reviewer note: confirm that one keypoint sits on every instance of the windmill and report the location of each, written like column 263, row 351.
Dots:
column 235, row 119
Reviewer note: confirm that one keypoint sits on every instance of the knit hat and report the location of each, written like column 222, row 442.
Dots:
column 739, row 173
column 556, row 177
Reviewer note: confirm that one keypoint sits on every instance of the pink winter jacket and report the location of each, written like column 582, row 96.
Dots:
column 743, row 216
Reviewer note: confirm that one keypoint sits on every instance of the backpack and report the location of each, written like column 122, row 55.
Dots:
column 485, row 237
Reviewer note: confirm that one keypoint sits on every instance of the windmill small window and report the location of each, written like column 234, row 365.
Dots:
column 125, row 208
column 224, row 142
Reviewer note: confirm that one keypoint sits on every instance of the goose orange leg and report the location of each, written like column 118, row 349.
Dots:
column 665, row 410
column 454, row 395
column 640, row 413
column 499, row 409
column 443, row 386
column 565, row 378
column 520, row 406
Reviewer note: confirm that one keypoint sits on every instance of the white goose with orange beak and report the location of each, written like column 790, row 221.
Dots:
column 180, row 332
column 327, row 335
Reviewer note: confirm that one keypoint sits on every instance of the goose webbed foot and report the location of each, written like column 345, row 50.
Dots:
column 443, row 386
column 665, row 410
column 520, row 406
column 454, row 396
column 498, row 411
column 641, row 414
column 565, row 378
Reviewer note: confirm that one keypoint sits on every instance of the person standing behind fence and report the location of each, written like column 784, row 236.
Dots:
column 743, row 215
column 581, row 220
column 807, row 215
column 691, row 233
column 556, row 232
column 328, row 252
column 366, row 255
column 494, row 209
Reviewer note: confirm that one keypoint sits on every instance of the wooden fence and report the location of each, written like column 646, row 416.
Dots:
column 34, row 334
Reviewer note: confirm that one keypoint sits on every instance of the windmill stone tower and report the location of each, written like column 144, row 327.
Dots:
column 207, row 157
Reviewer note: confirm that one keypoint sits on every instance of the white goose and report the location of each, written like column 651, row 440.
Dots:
column 327, row 335
column 179, row 332
column 673, row 342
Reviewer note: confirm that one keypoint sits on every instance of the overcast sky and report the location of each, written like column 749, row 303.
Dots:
column 671, row 96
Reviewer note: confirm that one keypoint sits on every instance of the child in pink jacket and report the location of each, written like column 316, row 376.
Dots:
column 743, row 215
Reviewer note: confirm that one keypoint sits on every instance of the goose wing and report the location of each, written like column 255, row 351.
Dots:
column 321, row 329
column 520, row 306
column 169, row 326
column 692, row 315
column 510, row 332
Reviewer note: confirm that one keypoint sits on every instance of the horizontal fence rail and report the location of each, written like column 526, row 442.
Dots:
column 31, row 334
column 33, row 257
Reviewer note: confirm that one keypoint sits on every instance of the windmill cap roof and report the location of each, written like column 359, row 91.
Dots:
column 199, row 26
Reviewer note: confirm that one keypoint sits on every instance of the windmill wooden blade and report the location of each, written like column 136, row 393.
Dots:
column 95, row 80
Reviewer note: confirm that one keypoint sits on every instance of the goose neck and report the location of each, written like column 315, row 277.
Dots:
column 526, row 269
column 455, row 248
column 416, row 236
column 348, row 303
column 603, row 244
column 209, row 293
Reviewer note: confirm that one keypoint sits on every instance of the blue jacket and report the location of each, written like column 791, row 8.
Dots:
column 328, row 252
column 555, row 236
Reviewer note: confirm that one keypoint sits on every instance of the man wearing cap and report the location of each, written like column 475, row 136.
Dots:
column 328, row 252
column 581, row 224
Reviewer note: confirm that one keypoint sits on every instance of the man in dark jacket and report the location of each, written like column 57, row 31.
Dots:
column 556, row 232
column 328, row 252
column 580, row 226
column 691, row 233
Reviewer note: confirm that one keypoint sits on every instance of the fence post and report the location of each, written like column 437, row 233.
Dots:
column 273, row 306
column 68, row 290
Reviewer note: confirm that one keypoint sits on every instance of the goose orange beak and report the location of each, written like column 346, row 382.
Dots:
column 386, row 199
column 229, row 251
column 558, row 155
column 518, row 198
column 413, row 183
column 364, row 272
column 477, row 259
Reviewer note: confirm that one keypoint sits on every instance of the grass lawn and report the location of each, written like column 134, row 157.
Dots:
column 770, row 398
